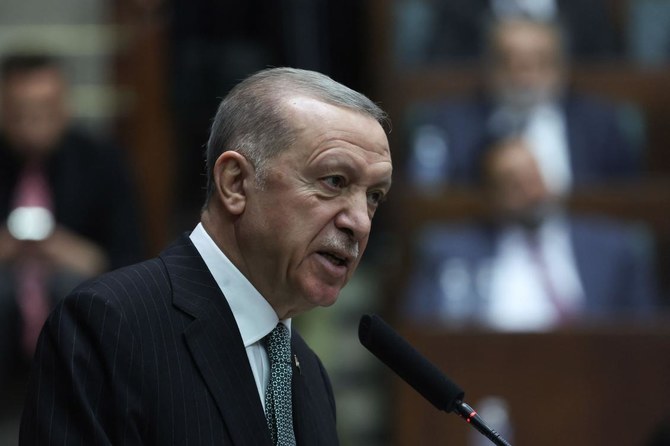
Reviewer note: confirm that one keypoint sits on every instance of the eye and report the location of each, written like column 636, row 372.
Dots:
column 335, row 181
column 376, row 197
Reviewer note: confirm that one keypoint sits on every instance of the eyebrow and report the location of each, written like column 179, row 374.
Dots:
column 386, row 184
column 346, row 163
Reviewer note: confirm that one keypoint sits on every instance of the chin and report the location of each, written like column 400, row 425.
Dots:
column 326, row 300
column 322, row 296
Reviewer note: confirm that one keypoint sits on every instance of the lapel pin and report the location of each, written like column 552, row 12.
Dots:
column 297, row 364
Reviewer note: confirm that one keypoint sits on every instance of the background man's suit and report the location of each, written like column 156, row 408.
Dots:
column 93, row 197
column 93, row 194
column 175, row 369
column 616, row 278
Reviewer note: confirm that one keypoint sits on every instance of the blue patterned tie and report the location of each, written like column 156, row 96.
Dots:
column 278, row 407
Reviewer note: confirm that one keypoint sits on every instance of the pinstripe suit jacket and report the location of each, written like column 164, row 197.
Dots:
column 151, row 355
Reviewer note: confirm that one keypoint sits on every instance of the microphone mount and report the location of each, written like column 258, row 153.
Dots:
column 399, row 355
column 472, row 417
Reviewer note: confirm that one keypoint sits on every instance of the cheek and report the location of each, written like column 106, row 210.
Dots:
column 311, row 218
column 292, row 233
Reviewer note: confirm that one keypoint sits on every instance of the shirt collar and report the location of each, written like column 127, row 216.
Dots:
column 253, row 314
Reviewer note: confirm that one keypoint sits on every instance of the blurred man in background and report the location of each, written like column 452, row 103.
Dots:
column 66, row 203
column 449, row 31
column 576, row 139
column 532, row 266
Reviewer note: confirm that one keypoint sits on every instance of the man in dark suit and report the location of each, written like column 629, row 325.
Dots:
column 532, row 266
column 577, row 139
column 66, row 204
column 451, row 31
column 174, row 350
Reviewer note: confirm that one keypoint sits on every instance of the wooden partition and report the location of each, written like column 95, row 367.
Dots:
column 645, row 201
column 587, row 386
column 145, row 127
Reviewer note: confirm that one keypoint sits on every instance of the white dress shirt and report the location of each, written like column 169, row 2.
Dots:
column 253, row 314
column 547, row 137
column 518, row 297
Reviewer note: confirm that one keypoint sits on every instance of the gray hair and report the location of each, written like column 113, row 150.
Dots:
column 251, row 121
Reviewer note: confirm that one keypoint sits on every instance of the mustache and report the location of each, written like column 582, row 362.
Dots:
column 342, row 243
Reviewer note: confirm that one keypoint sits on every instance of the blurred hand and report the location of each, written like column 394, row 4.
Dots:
column 63, row 249
column 68, row 250
column 10, row 248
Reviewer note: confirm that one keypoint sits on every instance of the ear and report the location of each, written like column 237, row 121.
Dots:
column 232, row 171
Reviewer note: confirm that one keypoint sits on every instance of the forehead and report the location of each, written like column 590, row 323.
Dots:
column 34, row 84
column 322, row 127
column 523, row 37
column 512, row 158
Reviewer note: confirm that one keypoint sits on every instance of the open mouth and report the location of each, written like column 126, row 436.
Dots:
column 334, row 259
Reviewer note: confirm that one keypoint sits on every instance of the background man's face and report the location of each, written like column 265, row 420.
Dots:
column 527, row 65
column 33, row 110
column 305, row 232
column 517, row 188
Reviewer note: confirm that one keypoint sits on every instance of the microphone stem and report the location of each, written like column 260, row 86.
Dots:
column 470, row 415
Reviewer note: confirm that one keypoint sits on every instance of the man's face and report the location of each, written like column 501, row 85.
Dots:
column 304, row 232
column 517, row 187
column 527, row 63
column 33, row 110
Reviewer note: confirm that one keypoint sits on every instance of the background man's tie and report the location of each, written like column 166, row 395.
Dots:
column 32, row 189
column 278, row 407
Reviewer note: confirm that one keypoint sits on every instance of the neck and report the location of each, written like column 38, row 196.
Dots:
column 222, row 232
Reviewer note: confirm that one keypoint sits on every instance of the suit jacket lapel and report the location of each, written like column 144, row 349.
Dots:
column 216, row 345
column 302, row 410
column 310, row 420
column 589, row 271
column 575, row 129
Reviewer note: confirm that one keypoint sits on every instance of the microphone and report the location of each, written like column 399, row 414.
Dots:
column 394, row 351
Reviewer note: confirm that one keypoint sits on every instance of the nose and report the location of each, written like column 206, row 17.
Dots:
column 354, row 218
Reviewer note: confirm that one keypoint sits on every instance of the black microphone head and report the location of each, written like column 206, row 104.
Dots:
column 394, row 351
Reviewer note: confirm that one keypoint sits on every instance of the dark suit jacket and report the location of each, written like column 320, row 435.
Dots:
column 598, row 148
column 617, row 276
column 151, row 355
column 93, row 194
column 458, row 28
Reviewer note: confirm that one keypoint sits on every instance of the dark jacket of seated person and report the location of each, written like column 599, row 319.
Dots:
column 67, row 204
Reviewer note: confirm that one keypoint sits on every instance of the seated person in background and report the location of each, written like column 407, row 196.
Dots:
column 531, row 266
column 66, row 203
column 576, row 139
column 449, row 31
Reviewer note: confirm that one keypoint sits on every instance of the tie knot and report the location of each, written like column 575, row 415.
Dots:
column 279, row 344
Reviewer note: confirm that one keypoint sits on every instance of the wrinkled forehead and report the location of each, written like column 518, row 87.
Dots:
column 298, row 103
column 322, row 121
